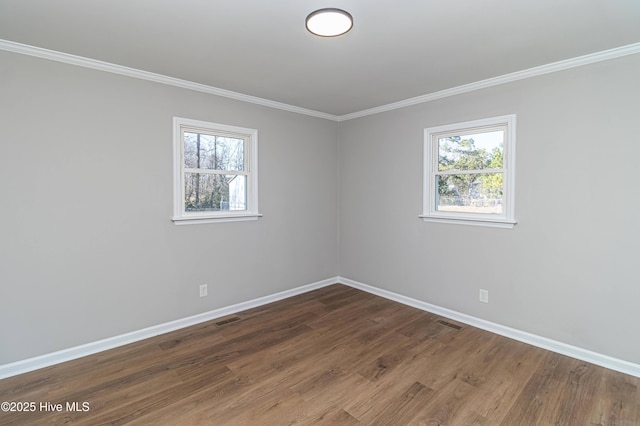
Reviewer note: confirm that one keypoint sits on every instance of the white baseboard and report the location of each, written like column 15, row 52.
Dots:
column 46, row 360
column 606, row 361
column 24, row 366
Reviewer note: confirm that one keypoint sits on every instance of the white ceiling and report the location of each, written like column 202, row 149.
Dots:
column 397, row 49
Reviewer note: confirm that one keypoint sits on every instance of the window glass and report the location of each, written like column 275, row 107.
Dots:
column 215, row 172
column 469, row 172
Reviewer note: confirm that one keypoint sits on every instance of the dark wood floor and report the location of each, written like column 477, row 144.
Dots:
column 333, row 356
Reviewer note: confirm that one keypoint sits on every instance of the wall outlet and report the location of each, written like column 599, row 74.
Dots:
column 484, row 295
column 203, row 290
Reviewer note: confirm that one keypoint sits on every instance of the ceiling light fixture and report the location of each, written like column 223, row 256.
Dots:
column 329, row 22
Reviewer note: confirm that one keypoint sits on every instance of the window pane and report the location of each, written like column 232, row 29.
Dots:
column 476, row 151
column 202, row 151
column 207, row 192
column 470, row 193
column 229, row 153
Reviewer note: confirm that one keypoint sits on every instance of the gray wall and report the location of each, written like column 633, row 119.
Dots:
column 569, row 269
column 87, row 248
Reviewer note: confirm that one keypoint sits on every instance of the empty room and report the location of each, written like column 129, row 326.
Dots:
column 297, row 212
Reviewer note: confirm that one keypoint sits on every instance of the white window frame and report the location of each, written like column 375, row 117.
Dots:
column 250, row 136
column 429, row 208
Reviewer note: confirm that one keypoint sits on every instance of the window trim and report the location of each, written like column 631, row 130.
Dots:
column 182, row 217
column 429, row 212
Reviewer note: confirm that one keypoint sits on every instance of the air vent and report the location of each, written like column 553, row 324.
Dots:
column 227, row 321
column 450, row 325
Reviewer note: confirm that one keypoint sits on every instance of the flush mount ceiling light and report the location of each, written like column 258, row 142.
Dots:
column 329, row 22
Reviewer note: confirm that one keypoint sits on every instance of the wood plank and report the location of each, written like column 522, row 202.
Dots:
column 448, row 406
column 617, row 404
column 400, row 410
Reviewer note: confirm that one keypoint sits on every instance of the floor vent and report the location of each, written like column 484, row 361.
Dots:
column 450, row 325
column 227, row 321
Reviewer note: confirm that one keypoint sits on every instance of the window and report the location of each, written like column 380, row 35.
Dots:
column 215, row 172
column 469, row 171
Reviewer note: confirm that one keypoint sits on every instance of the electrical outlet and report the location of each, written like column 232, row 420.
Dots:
column 203, row 290
column 484, row 295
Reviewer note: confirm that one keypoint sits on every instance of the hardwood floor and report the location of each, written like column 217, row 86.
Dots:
column 334, row 356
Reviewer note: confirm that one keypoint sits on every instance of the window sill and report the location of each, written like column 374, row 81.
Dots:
column 491, row 223
column 193, row 220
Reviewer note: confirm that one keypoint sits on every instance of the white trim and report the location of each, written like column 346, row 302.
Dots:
column 481, row 222
column 95, row 64
column 46, row 360
column 80, row 61
column 579, row 61
column 605, row 361
column 229, row 218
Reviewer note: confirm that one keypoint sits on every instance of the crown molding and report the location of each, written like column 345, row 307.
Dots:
column 579, row 61
column 81, row 61
column 95, row 64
